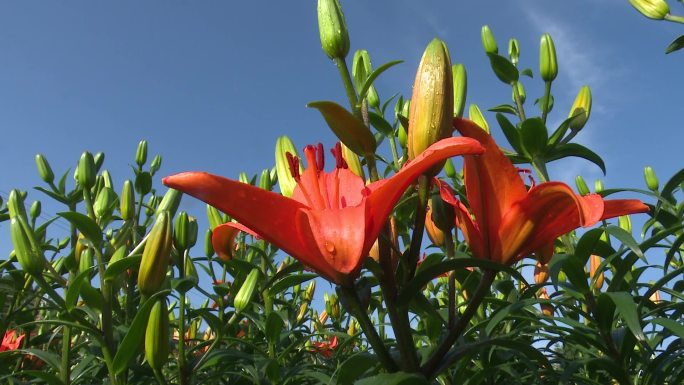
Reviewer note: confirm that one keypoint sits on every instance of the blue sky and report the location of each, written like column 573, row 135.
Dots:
column 212, row 84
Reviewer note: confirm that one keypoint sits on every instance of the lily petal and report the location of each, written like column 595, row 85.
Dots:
column 223, row 238
column 618, row 207
column 464, row 221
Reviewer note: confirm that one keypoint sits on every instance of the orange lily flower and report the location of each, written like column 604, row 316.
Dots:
column 223, row 239
column 325, row 348
column 332, row 219
column 10, row 341
column 512, row 222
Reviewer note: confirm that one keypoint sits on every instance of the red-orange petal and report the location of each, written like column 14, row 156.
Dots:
column 223, row 239
column 464, row 221
column 618, row 207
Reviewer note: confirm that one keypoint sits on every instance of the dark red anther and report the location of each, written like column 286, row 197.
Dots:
column 339, row 159
column 320, row 157
column 293, row 164
column 527, row 172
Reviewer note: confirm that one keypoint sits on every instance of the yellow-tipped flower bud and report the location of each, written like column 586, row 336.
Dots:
column 127, row 207
column 26, row 248
column 85, row 173
column 157, row 335
column 598, row 186
column 303, row 309
column 581, row 109
column 513, row 51
column 651, row 178
column 353, row 161
column 653, row 9
column 141, row 153
column 155, row 258
column 488, row 40
column 333, row 29
column 460, row 88
column 594, row 262
column 655, row 297
column 353, row 327
column 432, row 103
column 286, row 181
column 44, row 169
column 548, row 66
column 476, row 116
column 244, row 295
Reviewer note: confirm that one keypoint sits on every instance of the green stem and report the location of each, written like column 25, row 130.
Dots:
column 547, row 100
column 182, row 373
column 450, row 253
column 418, row 226
column 539, row 166
column 348, row 86
column 395, row 154
column 369, row 330
column 107, row 323
column 674, row 18
column 483, row 288
column 518, row 102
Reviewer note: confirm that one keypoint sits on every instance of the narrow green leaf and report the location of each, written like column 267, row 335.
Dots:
column 290, row 281
column 398, row 378
column 510, row 131
column 559, row 133
column 505, row 108
column 374, row 75
column 503, row 68
column 527, row 72
column 533, row 137
column 349, row 130
column 626, row 239
column 380, row 123
column 671, row 185
column 274, row 325
column 46, row 377
column 671, row 325
column 627, row 309
column 74, row 289
column 85, row 225
column 676, row 45
column 574, row 149
column 118, row 267
column 354, row 367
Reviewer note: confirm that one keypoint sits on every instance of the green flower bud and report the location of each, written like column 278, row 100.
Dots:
column 85, row 261
column 286, row 181
column 488, row 40
column 651, row 178
column 244, row 295
column 152, row 203
column 243, row 178
column 208, row 247
column 449, row 169
column 127, row 207
column 190, row 270
column 625, row 223
column 310, row 290
column 521, row 92
column 548, row 66
column 157, row 335
column 99, row 160
column 333, row 30
column 107, row 179
column 353, row 161
column 155, row 258
column 155, row 164
column 460, row 88
column 180, row 235
column 402, row 133
column 513, row 51
column 581, row 109
column 141, row 153
column 104, row 203
column 303, row 309
column 44, row 169
column 582, row 187
column 26, row 248
column 432, row 103
column 85, row 172
column 143, row 182
column 361, row 69
column 35, row 210
column 192, row 231
column 476, row 116
column 265, row 180
column 214, row 217
column 598, row 186
column 170, row 202
column 653, row 9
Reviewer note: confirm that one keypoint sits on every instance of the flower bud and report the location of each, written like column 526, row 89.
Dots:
column 303, row 309
column 513, row 51
column 432, row 103
column 476, row 116
column 310, row 290
column 546, row 308
column 361, row 69
column 104, row 203
column 449, row 169
column 582, row 187
column 655, row 297
column 598, row 186
column 460, row 88
column 214, row 217
column 594, row 262
column 85, row 262
column 434, row 233
column 518, row 87
column 192, row 231
column 155, row 164
column 541, row 273
column 488, row 40
column 286, row 181
column 155, row 258
column 35, row 210
column 26, row 248
column 189, row 267
column 333, row 30
column 353, row 161
column 44, row 169
column 180, row 231
column 265, row 180
column 243, row 178
column 653, row 9
column 141, row 153
column 170, row 202
column 548, row 66
column 332, row 306
column 244, row 295
column 353, row 327
column 85, row 173
column 323, row 317
column 208, row 246
column 127, row 206
column 651, row 178
column 157, row 335
column 625, row 223
column 581, row 109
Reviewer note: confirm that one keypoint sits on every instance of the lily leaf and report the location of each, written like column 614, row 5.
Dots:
column 574, row 149
column 676, row 45
column 85, row 225
column 348, row 128
column 374, row 75
column 503, row 68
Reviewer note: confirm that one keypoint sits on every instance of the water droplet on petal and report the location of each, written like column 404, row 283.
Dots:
column 330, row 248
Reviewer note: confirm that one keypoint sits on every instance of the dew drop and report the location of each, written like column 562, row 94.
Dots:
column 330, row 247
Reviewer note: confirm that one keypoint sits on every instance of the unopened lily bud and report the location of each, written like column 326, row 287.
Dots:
column 581, row 109
column 435, row 234
column 104, row 203
column 157, row 335
column 460, row 88
column 546, row 308
column 432, row 103
column 214, row 217
column 476, row 116
column 598, row 186
column 180, row 231
column 594, row 262
column 653, row 9
column 353, row 327
column 85, row 262
column 303, row 309
column 141, row 153
column 243, row 178
column 310, row 290
column 35, row 210
column 361, row 69
column 323, row 317
column 651, row 178
column 85, row 172
column 488, row 40
column 548, row 66
column 353, row 161
column 625, row 223
column 449, row 169
column 44, row 169
column 582, row 187
column 99, row 158
column 155, row 164
column 518, row 87
column 333, row 29
column 192, row 231
column 26, row 248
column 127, row 206
column 155, row 258
column 208, row 246
column 244, row 295
column 541, row 273
column 170, row 202
column 286, row 181
column 655, row 297
column 265, row 180
column 513, row 51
